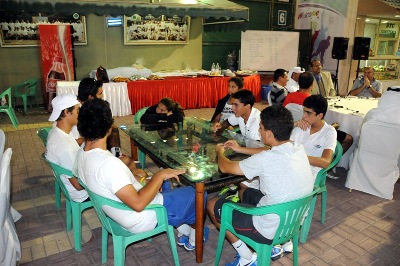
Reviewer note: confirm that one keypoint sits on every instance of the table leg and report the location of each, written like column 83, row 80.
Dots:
column 199, row 221
column 134, row 150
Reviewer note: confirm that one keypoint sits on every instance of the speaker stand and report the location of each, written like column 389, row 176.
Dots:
column 358, row 67
column 336, row 78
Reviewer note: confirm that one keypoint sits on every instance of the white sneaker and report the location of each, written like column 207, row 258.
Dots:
column 239, row 261
column 288, row 247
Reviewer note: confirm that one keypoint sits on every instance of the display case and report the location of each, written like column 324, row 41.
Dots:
column 384, row 49
column 385, row 69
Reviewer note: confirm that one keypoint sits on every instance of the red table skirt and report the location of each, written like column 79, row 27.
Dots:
column 191, row 93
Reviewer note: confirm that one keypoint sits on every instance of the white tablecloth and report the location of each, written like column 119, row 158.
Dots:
column 115, row 93
column 344, row 111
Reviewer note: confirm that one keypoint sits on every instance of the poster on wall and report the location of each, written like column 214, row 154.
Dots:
column 148, row 29
column 326, row 19
column 23, row 30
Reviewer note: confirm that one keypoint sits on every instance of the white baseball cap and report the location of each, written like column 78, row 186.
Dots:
column 60, row 103
column 297, row 70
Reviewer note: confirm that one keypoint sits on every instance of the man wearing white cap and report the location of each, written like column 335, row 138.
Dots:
column 294, row 74
column 61, row 147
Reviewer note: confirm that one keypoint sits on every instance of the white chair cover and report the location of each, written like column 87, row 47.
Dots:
column 374, row 168
column 296, row 110
column 10, row 248
column 2, row 142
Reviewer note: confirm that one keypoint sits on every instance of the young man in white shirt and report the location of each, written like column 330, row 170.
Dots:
column 319, row 138
column 61, row 147
column 244, row 115
column 106, row 175
column 284, row 175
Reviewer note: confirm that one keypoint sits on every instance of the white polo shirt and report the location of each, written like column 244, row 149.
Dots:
column 250, row 129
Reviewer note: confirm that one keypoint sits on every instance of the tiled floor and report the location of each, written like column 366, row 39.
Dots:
column 360, row 229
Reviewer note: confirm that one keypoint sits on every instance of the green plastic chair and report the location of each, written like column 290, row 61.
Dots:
column 136, row 119
column 24, row 90
column 8, row 108
column 43, row 133
column 121, row 237
column 320, row 188
column 291, row 214
column 72, row 207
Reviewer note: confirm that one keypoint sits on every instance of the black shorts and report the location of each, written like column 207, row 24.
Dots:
column 340, row 136
column 243, row 223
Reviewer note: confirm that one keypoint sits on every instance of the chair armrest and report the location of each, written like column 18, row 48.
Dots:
column 230, row 207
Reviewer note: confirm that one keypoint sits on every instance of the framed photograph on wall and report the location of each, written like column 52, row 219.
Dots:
column 22, row 30
column 140, row 30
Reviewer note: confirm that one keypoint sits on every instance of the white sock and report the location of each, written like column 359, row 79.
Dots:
column 243, row 250
column 192, row 236
column 183, row 229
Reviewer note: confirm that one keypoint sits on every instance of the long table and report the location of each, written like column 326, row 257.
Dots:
column 115, row 93
column 191, row 93
column 349, row 112
column 177, row 152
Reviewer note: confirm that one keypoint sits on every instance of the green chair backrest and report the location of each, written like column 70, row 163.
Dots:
column 7, row 94
column 58, row 171
column 290, row 213
column 109, row 224
column 8, row 109
column 321, row 176
column 43, row 133
column 28, row 87
column 139, row 114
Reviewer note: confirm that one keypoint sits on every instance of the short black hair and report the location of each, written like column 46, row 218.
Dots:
column 317, row 103
column 238, row 81
column 306, row 79
column 279, row 73
column 62, row 114
column 94, row 119
column 88, row 87
column 245, row 96
column 279, row 120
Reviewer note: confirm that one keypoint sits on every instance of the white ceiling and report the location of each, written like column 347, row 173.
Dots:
column 379, row 8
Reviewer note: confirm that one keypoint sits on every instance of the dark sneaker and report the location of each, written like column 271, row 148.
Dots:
column 233, row 198
column 227, row 191
column 332, row 175
column 277, row 252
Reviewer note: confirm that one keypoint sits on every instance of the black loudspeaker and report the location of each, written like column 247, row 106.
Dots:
column 361, row 48
column 339, row 49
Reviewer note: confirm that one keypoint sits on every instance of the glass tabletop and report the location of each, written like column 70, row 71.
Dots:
column 189, row 145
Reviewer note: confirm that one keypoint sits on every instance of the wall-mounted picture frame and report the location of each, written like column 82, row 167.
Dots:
column 148, row 29
column 22, row 30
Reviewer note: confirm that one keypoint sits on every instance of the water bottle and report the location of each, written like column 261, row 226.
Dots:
column 217, row 69
column 212, row 68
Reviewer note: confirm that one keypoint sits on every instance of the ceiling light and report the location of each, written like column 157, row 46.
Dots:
column 367, row 20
